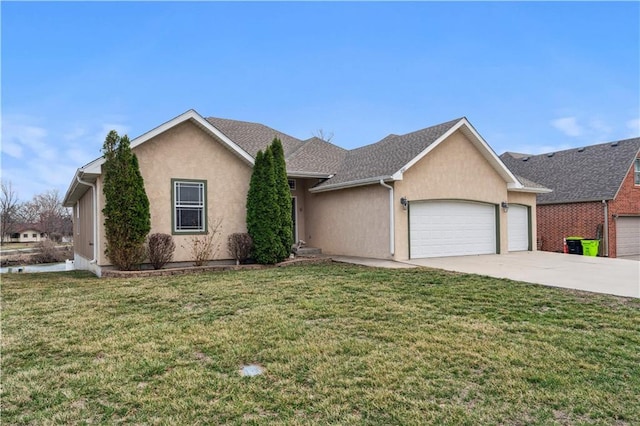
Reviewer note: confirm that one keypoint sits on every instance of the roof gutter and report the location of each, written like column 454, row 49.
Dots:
column 392, row 238
column 351, row 184
column 303, row 174
column 94, row 198
column 531, row 190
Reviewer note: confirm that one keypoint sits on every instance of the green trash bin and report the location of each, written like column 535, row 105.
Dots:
column 590, row 247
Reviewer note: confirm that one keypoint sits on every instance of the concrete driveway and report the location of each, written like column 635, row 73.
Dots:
column 596, row 274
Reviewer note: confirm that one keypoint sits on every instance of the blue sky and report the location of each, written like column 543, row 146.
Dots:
column 531, row 77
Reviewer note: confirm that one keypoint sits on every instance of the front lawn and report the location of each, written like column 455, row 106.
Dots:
column 339, row 344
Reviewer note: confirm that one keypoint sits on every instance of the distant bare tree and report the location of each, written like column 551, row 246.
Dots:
column 8, row 209
column 46, row 211
column 325, row 136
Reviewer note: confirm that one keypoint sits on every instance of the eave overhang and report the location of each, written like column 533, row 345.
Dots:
column 352, row 184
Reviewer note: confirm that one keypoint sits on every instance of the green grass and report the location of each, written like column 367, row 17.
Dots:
column 16, row 246
column 340, row 344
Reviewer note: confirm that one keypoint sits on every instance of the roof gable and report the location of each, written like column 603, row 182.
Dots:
column 195, row 118
column 389, row 158
column 88, row 173
column 253, row 137
column 591, row 173
column 315, row 156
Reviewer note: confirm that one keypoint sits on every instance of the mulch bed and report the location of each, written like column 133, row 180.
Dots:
column 199, row 269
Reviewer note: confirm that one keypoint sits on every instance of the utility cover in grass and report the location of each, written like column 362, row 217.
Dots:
column 251, row 370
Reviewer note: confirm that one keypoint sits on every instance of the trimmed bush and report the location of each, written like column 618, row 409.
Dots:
column 240, row 245
column 160, row 248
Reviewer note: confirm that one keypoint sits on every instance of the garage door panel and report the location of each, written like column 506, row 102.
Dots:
column 451, row 228
column 627, row 236
column 518, row 227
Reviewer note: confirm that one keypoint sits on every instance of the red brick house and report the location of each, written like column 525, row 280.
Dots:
column 596, row 194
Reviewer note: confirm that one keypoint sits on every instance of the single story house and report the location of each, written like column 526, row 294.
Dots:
column 596, row 193
column 439, row 191
column 26, row 233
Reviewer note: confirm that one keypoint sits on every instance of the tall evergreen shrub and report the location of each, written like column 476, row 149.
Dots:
column 126, row 210
column 283, row 200
column 262, row 209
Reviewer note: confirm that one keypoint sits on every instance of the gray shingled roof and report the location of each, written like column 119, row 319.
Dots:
column 316, row 156
column 386, row 157
column 592, row 173
column 253, row 137
column 312, row 156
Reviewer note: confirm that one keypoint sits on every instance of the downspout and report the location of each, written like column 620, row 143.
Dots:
column 392, row 237
column 94, row 198
column 605, row 231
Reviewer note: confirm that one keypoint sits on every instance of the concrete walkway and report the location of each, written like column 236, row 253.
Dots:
column 595, row 274
column 366, row 261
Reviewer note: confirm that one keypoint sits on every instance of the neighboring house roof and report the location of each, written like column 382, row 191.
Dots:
column 27, row 227
column 591, row 173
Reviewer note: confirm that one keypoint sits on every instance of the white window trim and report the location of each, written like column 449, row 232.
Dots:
column 175, row 206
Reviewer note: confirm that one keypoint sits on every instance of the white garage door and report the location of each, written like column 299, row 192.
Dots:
column 627, row 236
column 451, row 228
column 518, row 227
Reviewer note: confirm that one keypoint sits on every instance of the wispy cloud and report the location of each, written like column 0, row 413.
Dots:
column 75, row 133
column 568, row 125
column 11, row 148
column 601, row 129
column 19, row 137
column 37, row 157
column 634, row 126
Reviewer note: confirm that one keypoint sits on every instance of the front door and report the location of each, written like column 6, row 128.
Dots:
column 294, row 215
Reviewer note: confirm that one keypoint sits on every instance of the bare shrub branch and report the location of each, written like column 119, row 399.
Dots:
column 240, row 245
column 205, row 247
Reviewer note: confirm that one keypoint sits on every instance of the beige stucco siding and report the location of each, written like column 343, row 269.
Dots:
column 83, row 225
column 351, row 222
column 454, row 170
column 187, row 152
column 526, row 199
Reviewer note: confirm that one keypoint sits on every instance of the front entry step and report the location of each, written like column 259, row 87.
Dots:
column 307, row 251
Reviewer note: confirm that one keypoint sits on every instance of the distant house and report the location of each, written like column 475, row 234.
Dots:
column 439, row 191
column 27, row 233
column 596, row 192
